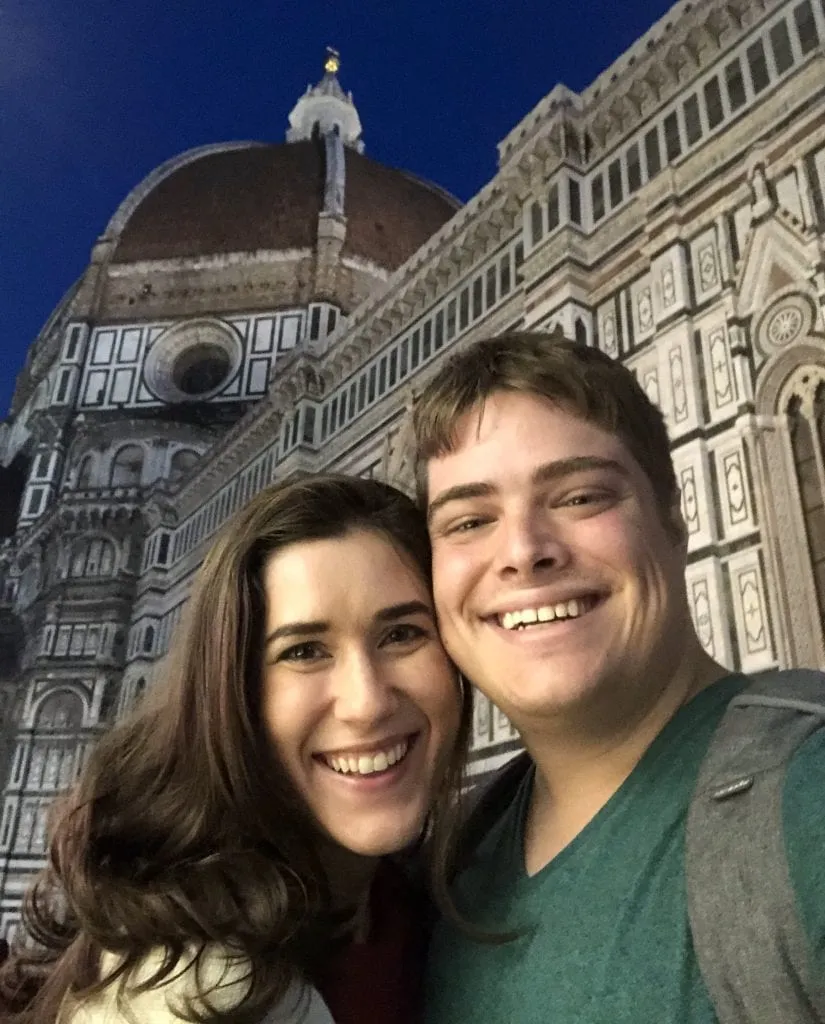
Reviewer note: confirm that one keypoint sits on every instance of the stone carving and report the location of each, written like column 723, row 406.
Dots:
column 650, row 382
column 677, row 377
column 708, row 268
column 690, row 504
column 645, row 307
column 784, row 326
column 784, row 323
column 609, row 334
column 735, row 487
column 720, row 368
column 702, row 618
column 753, row 612
column 668, row 286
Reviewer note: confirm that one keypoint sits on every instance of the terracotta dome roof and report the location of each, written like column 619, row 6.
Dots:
column 269, row 197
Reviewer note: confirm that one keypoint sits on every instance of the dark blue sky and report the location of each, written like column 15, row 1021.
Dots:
column 96, row 93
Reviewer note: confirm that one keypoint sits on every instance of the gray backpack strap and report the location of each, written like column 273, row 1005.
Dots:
column 751, row 946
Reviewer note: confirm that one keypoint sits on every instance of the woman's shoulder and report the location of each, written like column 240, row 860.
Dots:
column 219, row 973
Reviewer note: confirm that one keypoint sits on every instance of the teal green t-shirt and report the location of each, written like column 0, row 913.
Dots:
column 605, row 934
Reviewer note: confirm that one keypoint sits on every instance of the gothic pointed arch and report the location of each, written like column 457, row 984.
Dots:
column 789, row 459
column 804, row 405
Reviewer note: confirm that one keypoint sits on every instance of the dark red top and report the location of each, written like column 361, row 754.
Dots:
column 379, row 981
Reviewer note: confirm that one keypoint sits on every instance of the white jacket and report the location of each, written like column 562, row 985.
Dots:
column 222, row 977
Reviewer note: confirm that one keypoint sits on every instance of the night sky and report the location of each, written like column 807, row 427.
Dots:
column 96, row 93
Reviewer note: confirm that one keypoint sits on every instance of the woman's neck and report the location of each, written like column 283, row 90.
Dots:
column 350, row 878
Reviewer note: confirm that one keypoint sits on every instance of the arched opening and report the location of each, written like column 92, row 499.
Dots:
column 148, row 639
column 127, row 466
column 807, row 428
column 59, row 711
column 93, row 556
column 85, row 472
column 181, row 463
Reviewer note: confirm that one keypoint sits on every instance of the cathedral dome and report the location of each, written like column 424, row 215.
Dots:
column 252, row 197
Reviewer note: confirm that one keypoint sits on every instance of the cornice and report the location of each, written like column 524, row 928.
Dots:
column 99, row 508
column 664, row 62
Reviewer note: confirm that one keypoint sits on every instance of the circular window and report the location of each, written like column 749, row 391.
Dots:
column 200, row 369
column 192, row 361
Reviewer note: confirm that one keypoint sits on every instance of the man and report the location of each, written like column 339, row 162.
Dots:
column 559, row 553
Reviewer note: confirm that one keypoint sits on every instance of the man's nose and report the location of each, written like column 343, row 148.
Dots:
column 529, row 543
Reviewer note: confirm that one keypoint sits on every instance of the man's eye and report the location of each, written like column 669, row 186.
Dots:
column 307, row 651
column 465, row 525
column 586, row 498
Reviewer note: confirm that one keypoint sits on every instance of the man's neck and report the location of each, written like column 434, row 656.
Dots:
column 583, row 760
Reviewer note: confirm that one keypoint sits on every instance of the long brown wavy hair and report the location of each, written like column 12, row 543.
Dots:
column 182, row 832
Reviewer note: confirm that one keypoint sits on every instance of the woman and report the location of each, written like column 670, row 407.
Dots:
column 222, row 857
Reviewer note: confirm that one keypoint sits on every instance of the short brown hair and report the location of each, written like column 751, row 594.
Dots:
column 580, row 379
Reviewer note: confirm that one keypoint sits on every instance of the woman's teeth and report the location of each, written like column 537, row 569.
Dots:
column 368, row 764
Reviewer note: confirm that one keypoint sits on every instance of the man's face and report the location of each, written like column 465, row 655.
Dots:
column 558, row 586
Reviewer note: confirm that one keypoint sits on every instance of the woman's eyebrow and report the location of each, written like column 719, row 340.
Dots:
column 290, row 629
column 398, row 611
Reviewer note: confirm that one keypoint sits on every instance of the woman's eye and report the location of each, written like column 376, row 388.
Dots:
column 308, row 651
column 404, row 633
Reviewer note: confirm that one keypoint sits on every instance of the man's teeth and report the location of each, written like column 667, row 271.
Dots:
column 547, row 613
column 368, row 764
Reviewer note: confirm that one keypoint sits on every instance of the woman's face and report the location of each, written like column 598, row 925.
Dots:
column 359, row 698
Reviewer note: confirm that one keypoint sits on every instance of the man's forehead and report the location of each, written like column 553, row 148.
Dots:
column 476, row 462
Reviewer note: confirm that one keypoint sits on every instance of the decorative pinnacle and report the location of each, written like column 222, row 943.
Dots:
column 332, row 62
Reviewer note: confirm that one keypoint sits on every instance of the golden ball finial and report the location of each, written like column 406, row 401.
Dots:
column 333, row 61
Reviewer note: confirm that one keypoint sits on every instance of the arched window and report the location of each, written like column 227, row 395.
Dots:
column 85, row 472
column 806, row 413
column 93, row 556
column 148, row 639
column 54, row 758
column 59, row 711
column 127, row 466
column 182, row 461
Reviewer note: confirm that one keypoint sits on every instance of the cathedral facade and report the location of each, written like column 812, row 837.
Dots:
column 254, row 311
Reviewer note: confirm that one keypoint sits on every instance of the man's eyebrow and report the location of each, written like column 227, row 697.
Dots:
column 547, row 473
column 551, row 471
column 460, row 492
column 388, row 614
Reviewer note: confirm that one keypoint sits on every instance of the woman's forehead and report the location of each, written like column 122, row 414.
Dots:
column 339, row 578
